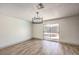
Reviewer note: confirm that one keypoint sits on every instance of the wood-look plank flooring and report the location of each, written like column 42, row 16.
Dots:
column 40, row 47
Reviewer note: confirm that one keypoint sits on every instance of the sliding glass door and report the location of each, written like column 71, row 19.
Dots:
column 51, row 32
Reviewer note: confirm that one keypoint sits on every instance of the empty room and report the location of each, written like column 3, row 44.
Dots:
column 39, row 28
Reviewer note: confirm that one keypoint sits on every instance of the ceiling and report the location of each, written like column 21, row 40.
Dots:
column 26, row 11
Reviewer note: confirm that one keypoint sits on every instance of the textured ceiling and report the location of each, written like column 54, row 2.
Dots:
column 27, row 10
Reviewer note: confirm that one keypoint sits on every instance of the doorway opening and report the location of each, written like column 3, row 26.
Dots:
column 51, row 32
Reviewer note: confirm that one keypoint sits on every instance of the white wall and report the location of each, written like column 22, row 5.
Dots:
column 69, row 29
column 38, row 31
column 13, row 30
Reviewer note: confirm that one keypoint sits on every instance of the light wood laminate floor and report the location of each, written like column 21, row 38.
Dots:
column 40, row 47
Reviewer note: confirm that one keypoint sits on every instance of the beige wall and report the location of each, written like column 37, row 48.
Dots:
column 13, row 30
column 69, row 29
column 38, row 31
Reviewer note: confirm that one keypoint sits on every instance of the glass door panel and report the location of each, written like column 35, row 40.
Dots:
column 51, row 32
